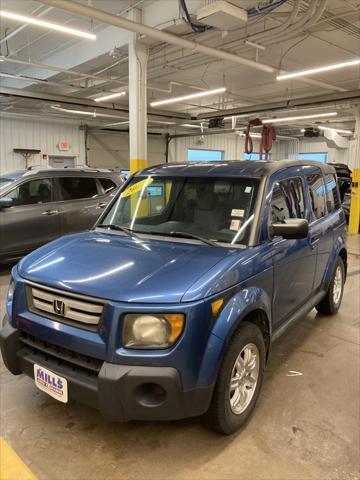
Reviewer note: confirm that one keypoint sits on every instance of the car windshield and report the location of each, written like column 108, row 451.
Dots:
column 207, row 208
column 4, row 182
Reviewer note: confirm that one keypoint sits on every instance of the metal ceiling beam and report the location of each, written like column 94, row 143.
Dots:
column 74, row 101
column 320, row 100
column 172, row 39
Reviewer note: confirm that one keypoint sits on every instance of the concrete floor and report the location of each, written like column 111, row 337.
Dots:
column 306, row 426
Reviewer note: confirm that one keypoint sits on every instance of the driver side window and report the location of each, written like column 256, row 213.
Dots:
column 32, row 192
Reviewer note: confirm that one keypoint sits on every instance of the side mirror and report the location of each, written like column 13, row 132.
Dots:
column 5, row 202
column 292, row 228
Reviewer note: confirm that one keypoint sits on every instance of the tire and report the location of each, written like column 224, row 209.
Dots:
column 224, row 415
column 330, row 304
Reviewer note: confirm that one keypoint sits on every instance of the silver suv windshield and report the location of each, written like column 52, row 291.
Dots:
column 207, row 208
column 4, row 182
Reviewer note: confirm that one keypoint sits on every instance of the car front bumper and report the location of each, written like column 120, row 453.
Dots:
column 119, row 392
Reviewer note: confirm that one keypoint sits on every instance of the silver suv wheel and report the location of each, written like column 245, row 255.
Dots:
column 244, row 378
column 338, row 285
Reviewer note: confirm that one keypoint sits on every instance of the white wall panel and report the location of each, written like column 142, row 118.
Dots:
column 233, row 147
column 37, row 134
column 337, row 155
column 112, row 150
column 231, row 144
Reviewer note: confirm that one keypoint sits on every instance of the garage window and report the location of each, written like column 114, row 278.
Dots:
column 75, row 188
column 198, row 155
column 30, row 193
column 319, row 156
column 255, row 156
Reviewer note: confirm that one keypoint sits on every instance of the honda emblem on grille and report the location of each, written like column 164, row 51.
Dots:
column 59, row 307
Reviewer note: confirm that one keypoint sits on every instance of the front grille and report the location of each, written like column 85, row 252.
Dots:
column 68, row 308
column 61, row 356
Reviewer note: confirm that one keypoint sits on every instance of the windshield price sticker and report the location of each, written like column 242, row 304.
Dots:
column 248, row 189
column 235, row 212
column 235, row 225
column 137, row 187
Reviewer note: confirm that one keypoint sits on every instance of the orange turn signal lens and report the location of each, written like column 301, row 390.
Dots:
column 176, row 322
column 215, row 306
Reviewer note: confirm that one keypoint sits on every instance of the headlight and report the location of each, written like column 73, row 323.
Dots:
column 10, row 296
column 152, row 331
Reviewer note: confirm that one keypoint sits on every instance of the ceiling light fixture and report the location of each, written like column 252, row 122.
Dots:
column 93, row 114
column 337, row 130
column 302, row 117
column 161, row 122
column 117, row 123
column 46, row 24
column 190, row 125
column 110, row 97
column 311, row 71
column 191, row 96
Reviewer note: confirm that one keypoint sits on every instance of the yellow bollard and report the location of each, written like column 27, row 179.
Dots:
column 354, row 221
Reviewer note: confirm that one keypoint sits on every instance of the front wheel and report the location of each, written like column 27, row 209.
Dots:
column 330, row 304
column 239, row 380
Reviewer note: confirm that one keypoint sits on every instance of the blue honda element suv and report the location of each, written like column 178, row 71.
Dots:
column 167, row 308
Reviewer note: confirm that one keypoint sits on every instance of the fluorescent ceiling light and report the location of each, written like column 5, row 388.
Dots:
column 190, row 125
column 84, row 112
column 252, row 134
column 109, row 97
column 117, row 123
column 46, row 24
column 161, row 122
column 205, row 93
column 311, row 71
column 337, row 130
column 302, row 117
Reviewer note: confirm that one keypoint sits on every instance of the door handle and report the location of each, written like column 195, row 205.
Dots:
column 102, row 205
column 50, row 212
column 313, row 242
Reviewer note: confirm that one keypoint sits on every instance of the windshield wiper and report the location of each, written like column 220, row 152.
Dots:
column 191, row 235
column 111, row 226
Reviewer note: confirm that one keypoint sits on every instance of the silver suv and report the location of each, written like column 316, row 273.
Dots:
column 39, row 205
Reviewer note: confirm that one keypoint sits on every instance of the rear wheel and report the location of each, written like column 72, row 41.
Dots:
column 330, row 304
column 239, row 380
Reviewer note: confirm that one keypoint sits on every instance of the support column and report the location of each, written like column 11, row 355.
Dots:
column 354, row 221
column 138, row 56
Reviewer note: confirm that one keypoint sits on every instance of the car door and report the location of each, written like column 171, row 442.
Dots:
column 293, row 260
column 32, row 220
column 81, row 202
column 323, row 222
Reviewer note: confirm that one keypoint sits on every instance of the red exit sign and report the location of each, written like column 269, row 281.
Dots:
column 63, row 146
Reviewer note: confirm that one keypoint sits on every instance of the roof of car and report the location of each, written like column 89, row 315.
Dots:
column 258, row 168
column 83, row 171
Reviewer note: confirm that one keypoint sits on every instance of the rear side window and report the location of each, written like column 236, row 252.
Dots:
column 32, row 192
column 107, row 184
column 332, row 193
column 317, row 194
column 75, row 188
column 287, row 200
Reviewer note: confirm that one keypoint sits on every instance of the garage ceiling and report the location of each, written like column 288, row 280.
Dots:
column 37, row 61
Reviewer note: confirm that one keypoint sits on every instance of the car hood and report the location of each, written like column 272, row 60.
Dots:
column 120, row 268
